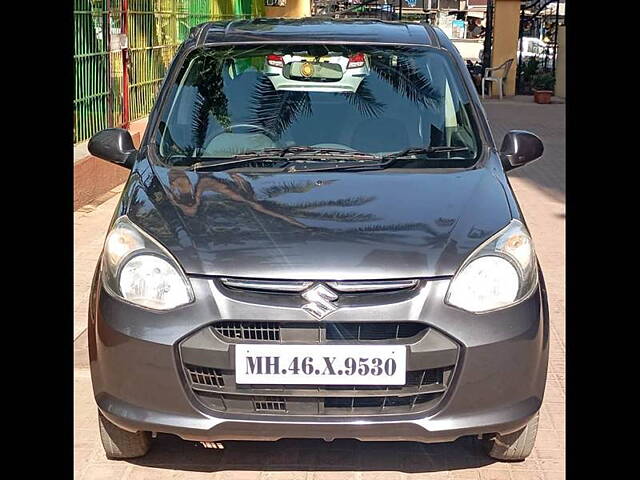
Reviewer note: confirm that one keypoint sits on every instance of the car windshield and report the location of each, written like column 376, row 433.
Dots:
column 243, row 100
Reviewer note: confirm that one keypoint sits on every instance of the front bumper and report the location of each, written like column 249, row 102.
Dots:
column 139, row 382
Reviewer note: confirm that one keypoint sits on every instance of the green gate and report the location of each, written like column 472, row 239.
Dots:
column 154, row 30
column 92, row 110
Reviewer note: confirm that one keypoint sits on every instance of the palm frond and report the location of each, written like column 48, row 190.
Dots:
column 340, row 202
column 397, row 227
column 200, row 121
column 210, row 100
column 335, row 216
column 364, row 100
column 276, row 110
column 292, row 187
column 406, row 79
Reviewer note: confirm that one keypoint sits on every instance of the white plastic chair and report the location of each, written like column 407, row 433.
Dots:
column 498, row 77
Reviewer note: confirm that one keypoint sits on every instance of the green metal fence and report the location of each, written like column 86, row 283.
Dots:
column 92, row 89
column 155, row 29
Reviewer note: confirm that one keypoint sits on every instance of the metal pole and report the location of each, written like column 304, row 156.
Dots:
column 520, row 45
column 555, row 36
column 125, row 65
column 400, row 11
column 106, row 31
column 488, row 34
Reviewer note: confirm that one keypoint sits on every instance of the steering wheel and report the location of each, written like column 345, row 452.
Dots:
column 267, row 133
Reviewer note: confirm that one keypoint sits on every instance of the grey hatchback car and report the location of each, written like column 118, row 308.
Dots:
column 318, row 240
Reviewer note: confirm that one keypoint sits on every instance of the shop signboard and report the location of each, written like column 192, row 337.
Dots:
column 458, row 29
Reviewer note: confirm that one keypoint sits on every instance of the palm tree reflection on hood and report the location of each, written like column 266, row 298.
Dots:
column 236, row 203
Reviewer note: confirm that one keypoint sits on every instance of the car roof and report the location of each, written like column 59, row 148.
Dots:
column 313, row 30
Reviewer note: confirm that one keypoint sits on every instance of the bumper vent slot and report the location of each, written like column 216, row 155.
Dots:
column 270, row 404
column 261, row 331
column 355, row 403
column 330, row 406
column 373, row 330
column 206, row 376
column 217, row 390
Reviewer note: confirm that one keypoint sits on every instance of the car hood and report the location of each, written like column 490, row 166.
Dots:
column 318, row 226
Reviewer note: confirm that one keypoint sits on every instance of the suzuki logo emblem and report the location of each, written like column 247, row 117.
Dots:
column 320, row 300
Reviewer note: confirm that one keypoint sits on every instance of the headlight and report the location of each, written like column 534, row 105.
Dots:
column 500, row 273
column 136, row 268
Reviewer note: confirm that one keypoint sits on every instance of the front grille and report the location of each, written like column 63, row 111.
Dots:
column 283, row 332
column 296, row 286
column 207, row 357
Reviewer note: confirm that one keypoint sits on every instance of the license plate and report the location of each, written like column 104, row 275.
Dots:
column 321, row 364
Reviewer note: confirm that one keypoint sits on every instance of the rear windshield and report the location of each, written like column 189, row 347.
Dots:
column 379, row 100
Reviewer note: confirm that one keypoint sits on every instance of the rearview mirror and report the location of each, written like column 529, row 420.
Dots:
column 520, row 147
column 114, row 145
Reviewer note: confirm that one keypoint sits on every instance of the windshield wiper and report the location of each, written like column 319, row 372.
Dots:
column 275, row 155
column 356, row 165
column 301, row 151
column 297, row 153
column 391, row 159
column 237, row 159
column 426, row 151
column 331, row 151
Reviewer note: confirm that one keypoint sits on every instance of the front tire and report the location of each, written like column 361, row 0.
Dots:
column 119, row 443
column 514, row 446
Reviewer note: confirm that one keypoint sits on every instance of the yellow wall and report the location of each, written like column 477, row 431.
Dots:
column 293, row 8
column 560, row 90
column 506, row 23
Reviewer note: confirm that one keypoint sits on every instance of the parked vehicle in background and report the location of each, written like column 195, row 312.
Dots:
column 531, row 47
column 469, row 48
column 318, row 240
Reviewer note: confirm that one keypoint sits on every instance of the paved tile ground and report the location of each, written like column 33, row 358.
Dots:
column 90, row 227
column 540, row 191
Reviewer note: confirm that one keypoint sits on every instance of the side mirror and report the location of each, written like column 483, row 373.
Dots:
column 113, row 145
column 520, row 147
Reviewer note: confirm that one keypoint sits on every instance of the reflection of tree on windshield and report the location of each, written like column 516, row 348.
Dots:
column 210, row 95
column 364, row 100
column 403, row 75
column 277, row 110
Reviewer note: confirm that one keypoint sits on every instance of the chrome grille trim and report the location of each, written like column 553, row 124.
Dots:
column 273, row 285
column 347, row 286
column 372, row 285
